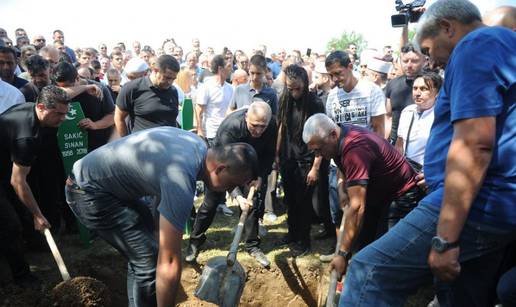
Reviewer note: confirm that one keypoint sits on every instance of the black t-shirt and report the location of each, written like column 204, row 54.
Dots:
column 147, row 105
column 233, row 129
column 293, row 146
column 399, row 91
column 95, row 110
column 22, row 138
column 30, row 91
column 19, row 82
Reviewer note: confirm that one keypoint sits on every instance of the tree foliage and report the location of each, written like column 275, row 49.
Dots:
column 346, row 38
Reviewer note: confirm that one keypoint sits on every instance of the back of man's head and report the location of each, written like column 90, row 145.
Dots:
column 165, row 62
column 240, row 159
column 64, row 72
column 260, row 110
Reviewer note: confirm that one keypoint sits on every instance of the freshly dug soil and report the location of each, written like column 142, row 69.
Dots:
column 81, row 292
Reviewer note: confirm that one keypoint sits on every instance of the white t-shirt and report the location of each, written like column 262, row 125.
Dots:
column 180, row 100
column 366, row 99
column 9, row 96
column 419, row 132
column 216, row 98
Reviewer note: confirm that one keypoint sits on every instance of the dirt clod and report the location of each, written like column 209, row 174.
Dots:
column 81, row 292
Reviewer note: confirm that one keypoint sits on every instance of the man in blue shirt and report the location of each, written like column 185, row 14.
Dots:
column 459, row 231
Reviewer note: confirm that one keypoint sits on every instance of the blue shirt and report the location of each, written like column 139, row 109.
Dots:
column 479, row 82
column 165, row 162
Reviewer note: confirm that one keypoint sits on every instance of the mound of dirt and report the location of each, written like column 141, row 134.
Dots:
column 81, row 292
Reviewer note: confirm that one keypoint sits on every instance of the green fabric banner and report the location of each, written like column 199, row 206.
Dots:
column 73, row 141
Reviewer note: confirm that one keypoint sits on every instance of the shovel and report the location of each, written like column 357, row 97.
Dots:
column 57, row 255
column 330, row 299
column 222, row 280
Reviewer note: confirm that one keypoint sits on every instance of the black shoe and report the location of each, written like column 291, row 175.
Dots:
column 284, row 241
column 259, row 256
column 300, row 249
column 193, row 249
column 28, row 281
column 324, row 234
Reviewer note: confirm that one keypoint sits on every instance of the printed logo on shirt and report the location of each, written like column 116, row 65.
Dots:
column 350, row 111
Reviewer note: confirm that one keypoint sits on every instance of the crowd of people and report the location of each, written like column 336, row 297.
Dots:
column 412, row 150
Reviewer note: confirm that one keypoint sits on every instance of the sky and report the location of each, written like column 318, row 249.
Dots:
column 237, row 24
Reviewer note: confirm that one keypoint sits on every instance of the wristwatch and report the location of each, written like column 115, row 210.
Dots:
column 344, row 254
column 440, row 245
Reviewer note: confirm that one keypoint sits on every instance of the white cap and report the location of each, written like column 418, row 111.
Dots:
column 320, row 67
column 378, row 65
column 135, row 65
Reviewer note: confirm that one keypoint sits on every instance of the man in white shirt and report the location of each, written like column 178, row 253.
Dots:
column 9, row 96
column 213, row 99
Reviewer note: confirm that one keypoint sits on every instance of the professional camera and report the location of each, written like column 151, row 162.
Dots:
column 406, row 13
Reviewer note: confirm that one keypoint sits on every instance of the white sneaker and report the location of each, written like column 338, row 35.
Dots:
column 225, row 210
column 270, row 217
column 434, row 302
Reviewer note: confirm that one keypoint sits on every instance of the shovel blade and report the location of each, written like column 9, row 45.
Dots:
column 221, row 284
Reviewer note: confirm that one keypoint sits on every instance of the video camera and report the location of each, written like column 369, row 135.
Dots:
column 406, row 13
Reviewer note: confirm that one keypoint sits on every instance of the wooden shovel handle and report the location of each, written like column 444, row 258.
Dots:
column 333, row 278
column 231, row 258
column 57, row 255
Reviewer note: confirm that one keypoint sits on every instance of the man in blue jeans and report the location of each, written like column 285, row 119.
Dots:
column 458, row 232
column 106, row 186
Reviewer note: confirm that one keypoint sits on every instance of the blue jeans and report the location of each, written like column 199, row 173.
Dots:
column 393, row 267
column 507, row 288
column 127, row 226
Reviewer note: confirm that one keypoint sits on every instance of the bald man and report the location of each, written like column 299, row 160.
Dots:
column 240, row 76
column 504, row 16
column 255, row 127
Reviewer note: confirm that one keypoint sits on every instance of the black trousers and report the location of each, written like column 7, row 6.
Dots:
column 299, row 199
column 207, row 212
column 321, row 206
column 11, row 233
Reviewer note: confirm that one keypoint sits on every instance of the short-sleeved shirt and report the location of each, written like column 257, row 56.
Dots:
column 234, row 129
column 356, row 107
column 216, row 98
column 9, row 96
column 22, row 138
column 419, row 131
column 480, row 81
column 30, row 92
column 244, row 95
column 369, row 160
column 95, row 109
column 399, row 91
column 147, row 105
column 164, row 162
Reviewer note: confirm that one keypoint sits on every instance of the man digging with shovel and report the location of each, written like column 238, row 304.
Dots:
column 106, row 186
column 255, row 127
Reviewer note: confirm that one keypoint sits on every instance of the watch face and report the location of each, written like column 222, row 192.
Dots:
column 438, row 244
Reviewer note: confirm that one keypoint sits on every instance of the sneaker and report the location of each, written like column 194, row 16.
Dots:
column 434, row 303
column 259, row 256
column 270, row 217
column 299, row 249
column 225, row 210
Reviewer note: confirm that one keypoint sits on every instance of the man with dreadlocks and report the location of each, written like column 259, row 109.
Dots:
column 298, row 166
